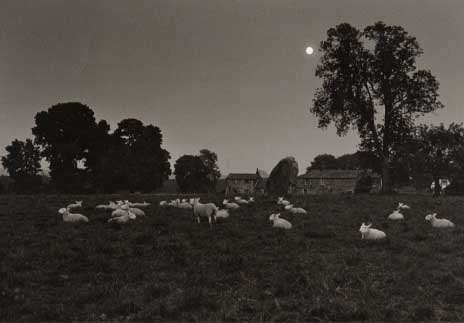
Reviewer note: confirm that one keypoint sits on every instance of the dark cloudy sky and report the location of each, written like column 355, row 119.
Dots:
column 228, row 75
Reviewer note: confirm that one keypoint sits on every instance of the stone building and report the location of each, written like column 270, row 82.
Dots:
column 334, row 181
column 244, row 183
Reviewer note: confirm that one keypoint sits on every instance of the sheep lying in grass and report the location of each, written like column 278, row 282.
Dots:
column 396, row 215
column 163, row 203
column 281, row 200
column 144, row 204
column 121, row 210
column 136, row 211
column 123, row 218
column 231, row 206
column 203, row 210
column 279, row 223
column 184, row 205
column 402, row 206
column 239, row 200
column 222, row 213
column 296, row 210
column 73, row 205
column 371, row 234
column 72, row 217
column 439, row 223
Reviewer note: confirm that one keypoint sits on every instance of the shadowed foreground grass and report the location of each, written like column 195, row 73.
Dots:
column 168, row 267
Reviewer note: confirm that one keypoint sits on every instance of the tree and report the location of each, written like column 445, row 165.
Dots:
column 145, row 164
column 23, row 165
column 66, row 132
column 370, row 83
column 197, row 174
column 209, row 159
column 438, row 150
column 324, row 161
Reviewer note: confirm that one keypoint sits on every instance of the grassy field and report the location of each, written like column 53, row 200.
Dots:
column 168, row 267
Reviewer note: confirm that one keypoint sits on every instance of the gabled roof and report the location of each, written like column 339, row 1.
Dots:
column 337, row 174
column 242, row 176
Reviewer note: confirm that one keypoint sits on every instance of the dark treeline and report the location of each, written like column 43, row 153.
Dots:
column 84, row 156
column 429, row 154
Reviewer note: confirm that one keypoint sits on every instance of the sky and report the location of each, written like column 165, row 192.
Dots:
column 231, row 76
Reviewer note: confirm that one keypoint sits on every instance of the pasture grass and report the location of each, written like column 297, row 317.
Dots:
column 167, row 267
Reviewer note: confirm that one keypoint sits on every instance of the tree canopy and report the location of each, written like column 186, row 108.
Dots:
column 197, row 174
column 370, row 83
column 23, row 165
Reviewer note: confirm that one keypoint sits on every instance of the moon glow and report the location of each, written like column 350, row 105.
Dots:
column 309, row 50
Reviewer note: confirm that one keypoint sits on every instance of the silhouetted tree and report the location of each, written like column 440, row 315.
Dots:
column 324, row 161
column 209, row 159
column 371, row 83
column 23, row 165
column 145, row 164
column 438, row 150
column 66, row 132
column 197, row 174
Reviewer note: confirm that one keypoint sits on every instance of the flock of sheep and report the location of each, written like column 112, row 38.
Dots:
column 374, row 234
column 125, row 211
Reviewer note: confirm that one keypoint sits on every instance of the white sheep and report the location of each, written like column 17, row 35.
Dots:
column 123, row 219
column 228, row 205
column 396, row 215
column 439, row 223
column 73, row 205
column 136, row 211
column 282, row 201
column 241, row 201
column 144, row 204
column 222, row 213
column 184, row 205
column 121, row 210
column 371, row 234
column 288, row 207
column 203, row 210
column 296, row 210
column 402, row 206
column 279, row 223
column 72, row 217
column 163, row 203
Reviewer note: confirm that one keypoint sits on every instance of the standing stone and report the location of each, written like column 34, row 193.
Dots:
column 282, row 179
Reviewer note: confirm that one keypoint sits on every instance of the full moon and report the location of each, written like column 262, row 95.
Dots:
column 309, row 50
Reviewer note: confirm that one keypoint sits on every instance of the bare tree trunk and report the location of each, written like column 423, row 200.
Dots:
column 387, row 185
column 437, row 188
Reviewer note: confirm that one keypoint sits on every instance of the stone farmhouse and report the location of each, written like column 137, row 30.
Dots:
column 245, row 183
column 334, row 181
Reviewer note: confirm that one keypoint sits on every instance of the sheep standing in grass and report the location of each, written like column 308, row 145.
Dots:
column 279, row 223
column 73, row 205
column 439, row 223
column 203, row 210
column 228, row 205
column 72, row 217
column 396, row 215
column 371, row 234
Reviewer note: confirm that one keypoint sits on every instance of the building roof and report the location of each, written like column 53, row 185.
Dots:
column 337, row 174
column 242, row 176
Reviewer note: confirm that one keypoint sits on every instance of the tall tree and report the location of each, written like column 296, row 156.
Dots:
column 370, row 83
column 324, row 161
column 438, row 150
column 210, row 159
column 146, row 164
column 197, row 174
column 23, row 165
column 66, row 132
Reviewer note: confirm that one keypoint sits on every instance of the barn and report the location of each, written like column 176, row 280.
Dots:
column 334, row 181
